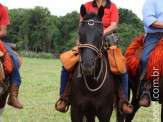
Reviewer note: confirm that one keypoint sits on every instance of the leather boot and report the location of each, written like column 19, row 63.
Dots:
column 13, row 97
column 126, row 109
column 124, row 106
column 145, row 102
column 61, row 106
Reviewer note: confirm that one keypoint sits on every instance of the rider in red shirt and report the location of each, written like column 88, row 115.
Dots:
column 4, row 21
column 14, row 76
column 110, row 14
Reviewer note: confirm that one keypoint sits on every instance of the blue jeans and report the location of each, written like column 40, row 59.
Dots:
column 124, row 83
column 15, row 75
column 146, row 53
column 65, row 78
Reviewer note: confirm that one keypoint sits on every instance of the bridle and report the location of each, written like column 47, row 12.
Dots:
column 90, row 46
column 99, row 56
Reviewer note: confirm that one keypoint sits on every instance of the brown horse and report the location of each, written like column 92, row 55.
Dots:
column 132, row 56
column 92, row 84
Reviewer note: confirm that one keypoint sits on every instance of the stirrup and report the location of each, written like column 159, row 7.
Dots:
column 67, row 105
column 146, row 92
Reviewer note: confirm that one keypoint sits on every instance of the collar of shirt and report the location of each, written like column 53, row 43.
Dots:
column 107, row 5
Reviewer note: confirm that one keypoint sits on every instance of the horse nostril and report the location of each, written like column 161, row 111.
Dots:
column 87, row 69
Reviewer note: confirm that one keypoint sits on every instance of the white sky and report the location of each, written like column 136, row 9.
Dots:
column 61, row 7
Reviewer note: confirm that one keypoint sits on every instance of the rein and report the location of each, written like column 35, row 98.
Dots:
column 102, row 83
column 99, row 52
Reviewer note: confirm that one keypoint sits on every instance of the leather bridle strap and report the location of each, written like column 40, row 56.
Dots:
column 91, row 22
column 90, row 47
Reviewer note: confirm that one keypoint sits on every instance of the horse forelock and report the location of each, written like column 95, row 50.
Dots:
column 92, row 15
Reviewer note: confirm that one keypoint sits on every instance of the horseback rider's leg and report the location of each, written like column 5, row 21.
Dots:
column 126, row 109
column 124, row 83
column 63, row 83
column 145, row 97
column 15, row 81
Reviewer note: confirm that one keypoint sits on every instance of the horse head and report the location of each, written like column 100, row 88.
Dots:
column 90, row 39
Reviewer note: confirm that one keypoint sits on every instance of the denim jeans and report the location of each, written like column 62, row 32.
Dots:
column 124, row 83
column 15, row 75
column 65, row 78
column 146, row 53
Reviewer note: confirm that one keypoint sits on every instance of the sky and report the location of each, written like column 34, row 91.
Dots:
column 62, row 7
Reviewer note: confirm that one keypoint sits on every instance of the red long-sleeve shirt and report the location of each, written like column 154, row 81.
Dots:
column 4, row 19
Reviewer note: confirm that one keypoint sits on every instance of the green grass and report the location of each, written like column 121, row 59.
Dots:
column 40, row 90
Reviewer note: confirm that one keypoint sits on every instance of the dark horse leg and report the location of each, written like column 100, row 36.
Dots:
column 105, row 114
column 120, row 117
column 90, row 118
column 3, row 98
column 76, row 115
column 135, row 104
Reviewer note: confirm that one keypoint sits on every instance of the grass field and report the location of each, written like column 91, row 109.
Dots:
column 39, row 92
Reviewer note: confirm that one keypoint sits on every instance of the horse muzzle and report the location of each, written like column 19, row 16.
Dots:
column 87, row 70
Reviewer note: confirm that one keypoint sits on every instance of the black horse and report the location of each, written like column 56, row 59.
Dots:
column 92, row 84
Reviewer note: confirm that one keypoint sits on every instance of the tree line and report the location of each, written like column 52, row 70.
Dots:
column 38, row 31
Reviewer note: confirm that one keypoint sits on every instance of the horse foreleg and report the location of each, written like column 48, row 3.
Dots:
column 120, row 117
column 76, row 115
column 135, row 104
column 90, row 118
column 105, row 114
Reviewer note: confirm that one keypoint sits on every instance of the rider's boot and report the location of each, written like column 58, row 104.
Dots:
column 124, row 106
column 13, row 97
column 145, row 96
column 63, row 100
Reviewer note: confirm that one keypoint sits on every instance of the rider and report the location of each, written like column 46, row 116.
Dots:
column 153, row 25
column 14, row 76
column 110, row 23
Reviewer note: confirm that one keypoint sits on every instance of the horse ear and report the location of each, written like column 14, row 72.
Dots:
column 82, row 10
column 101, row 12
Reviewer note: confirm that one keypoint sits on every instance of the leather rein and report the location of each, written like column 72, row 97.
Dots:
column 99, row 55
